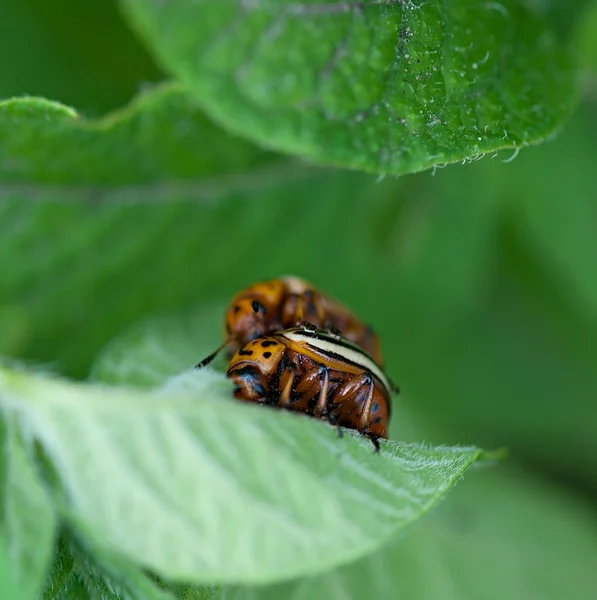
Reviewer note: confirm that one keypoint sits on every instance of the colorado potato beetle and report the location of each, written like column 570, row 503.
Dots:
column 312, row 371
column 278, row 304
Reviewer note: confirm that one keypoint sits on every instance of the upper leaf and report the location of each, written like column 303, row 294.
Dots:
column 390, row 87
column 203, row 488
column 159, row 136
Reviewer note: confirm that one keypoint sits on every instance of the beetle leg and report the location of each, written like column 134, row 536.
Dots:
column 309, row 381
column 363, row 422
column 333, row 421
column 374, row 439
column 311, row 391
column 287, row 389
column 334, row 330
column 309, row 385
column 364, row 419
column 347, row 390
column 321, row 408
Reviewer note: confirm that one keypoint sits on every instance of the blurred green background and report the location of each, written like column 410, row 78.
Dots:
column 480, row 278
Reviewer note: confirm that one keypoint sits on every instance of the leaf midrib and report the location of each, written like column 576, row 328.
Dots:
column 203, row 191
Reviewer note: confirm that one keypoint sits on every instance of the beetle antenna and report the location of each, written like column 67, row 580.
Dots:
column 210, row 358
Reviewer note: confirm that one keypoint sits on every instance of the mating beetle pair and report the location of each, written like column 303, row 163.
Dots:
column 298, row 349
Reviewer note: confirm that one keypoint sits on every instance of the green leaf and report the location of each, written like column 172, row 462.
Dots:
column 520, row 332
column 387, row 87
column 8, row 583
column 458, row 274
column 504, row 534
column 77, row 574
column 157, row 349
column 202, row 488
column 63, row 581
column 587, row 46
column 159, row 137
column 27, row 522
column 80, row 199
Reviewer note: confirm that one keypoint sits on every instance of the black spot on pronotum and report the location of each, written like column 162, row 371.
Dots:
column 268, row 343
column 378, row 420
column 236, row 309
column 267, row 354
column 245, row 352
column 258, row 307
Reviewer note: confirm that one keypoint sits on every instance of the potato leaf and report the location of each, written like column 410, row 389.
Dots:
column 202, row 488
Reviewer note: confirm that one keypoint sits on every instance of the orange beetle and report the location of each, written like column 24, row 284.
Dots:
column 314, row 372
column 271, row 306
